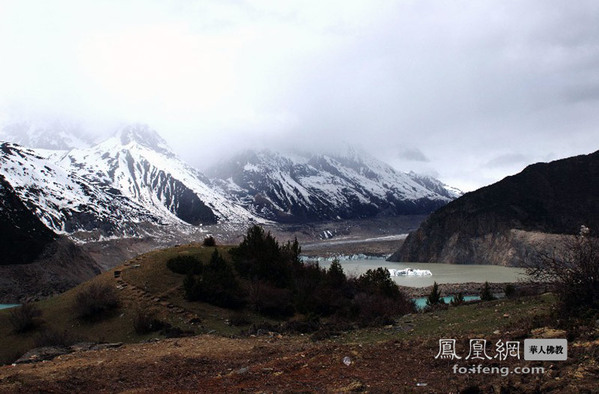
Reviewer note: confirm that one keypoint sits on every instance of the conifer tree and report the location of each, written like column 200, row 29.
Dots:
column 486, row 294
column 434, row 297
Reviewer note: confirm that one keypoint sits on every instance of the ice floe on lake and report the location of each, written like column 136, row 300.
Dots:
column 409, row 272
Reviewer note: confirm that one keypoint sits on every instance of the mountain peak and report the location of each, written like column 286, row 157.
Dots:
column 143, row 135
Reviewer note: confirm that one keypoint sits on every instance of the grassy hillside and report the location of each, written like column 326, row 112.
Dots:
column 145, row 284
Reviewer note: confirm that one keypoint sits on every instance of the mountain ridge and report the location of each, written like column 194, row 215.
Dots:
column 302, row 187
column 545, row 198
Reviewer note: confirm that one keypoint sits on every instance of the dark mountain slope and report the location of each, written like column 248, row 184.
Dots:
column 483, row 226
column 35, row 262
column 61, row 266
column 23, row 235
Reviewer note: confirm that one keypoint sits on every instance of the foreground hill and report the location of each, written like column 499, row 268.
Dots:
column 505, row 222
column 383, row 360
column 224, row 357
column 221, row 352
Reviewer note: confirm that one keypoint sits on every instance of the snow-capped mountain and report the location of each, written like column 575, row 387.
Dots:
column 435, row 185
column 126, row 181
column 57, row 135
column 64, row 201
column 306, row 187
column 139, row 164
column 133, row 180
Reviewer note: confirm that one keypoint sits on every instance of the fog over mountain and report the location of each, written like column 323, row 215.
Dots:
column 467, row 91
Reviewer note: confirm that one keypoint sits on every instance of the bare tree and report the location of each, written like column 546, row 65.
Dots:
column 572, row 269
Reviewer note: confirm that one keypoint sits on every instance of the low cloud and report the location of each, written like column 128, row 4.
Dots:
column 507, row 160
column 413, row 155
column 460, row 80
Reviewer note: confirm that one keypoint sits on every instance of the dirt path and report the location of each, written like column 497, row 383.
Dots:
column 139, row 296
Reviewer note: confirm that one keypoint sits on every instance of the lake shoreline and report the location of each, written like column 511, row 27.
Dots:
column 474, row 288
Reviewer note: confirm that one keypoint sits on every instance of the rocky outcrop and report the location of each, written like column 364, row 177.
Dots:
column 46, row 353
column 508, row 222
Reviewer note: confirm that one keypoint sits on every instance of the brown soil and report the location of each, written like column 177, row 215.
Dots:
column 287, row 364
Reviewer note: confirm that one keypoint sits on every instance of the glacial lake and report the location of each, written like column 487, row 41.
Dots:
column 442, row 273
column 6, row 306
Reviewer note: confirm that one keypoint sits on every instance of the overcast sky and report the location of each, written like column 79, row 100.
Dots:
column 468, row 91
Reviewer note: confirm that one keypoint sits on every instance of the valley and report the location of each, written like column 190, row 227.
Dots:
column 130, row 194
column 111, row 217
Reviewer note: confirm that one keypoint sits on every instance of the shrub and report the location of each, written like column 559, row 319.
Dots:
column 377, row 299
column 95, row 300
column 191, row 288
column 270, row 300
column 239, row 319
column 185, row 264
column 509, row 290
column 259, row 257
column 572, row 269
column 145, row 321
column 11, row 356
column 376, row 309
column 378, row 281
column 457, row 300
column 56, row 338
column 305, row 326
column 329, row 301
column 263, row 328
column 25, row 318
column 307, row 283
column 335, row 276
column 216, row 285
column 209, row 241
column 175, row 332
column 486, row 294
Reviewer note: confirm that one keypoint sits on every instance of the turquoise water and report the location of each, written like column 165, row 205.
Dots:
column 6, row 306
column 421, row 302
